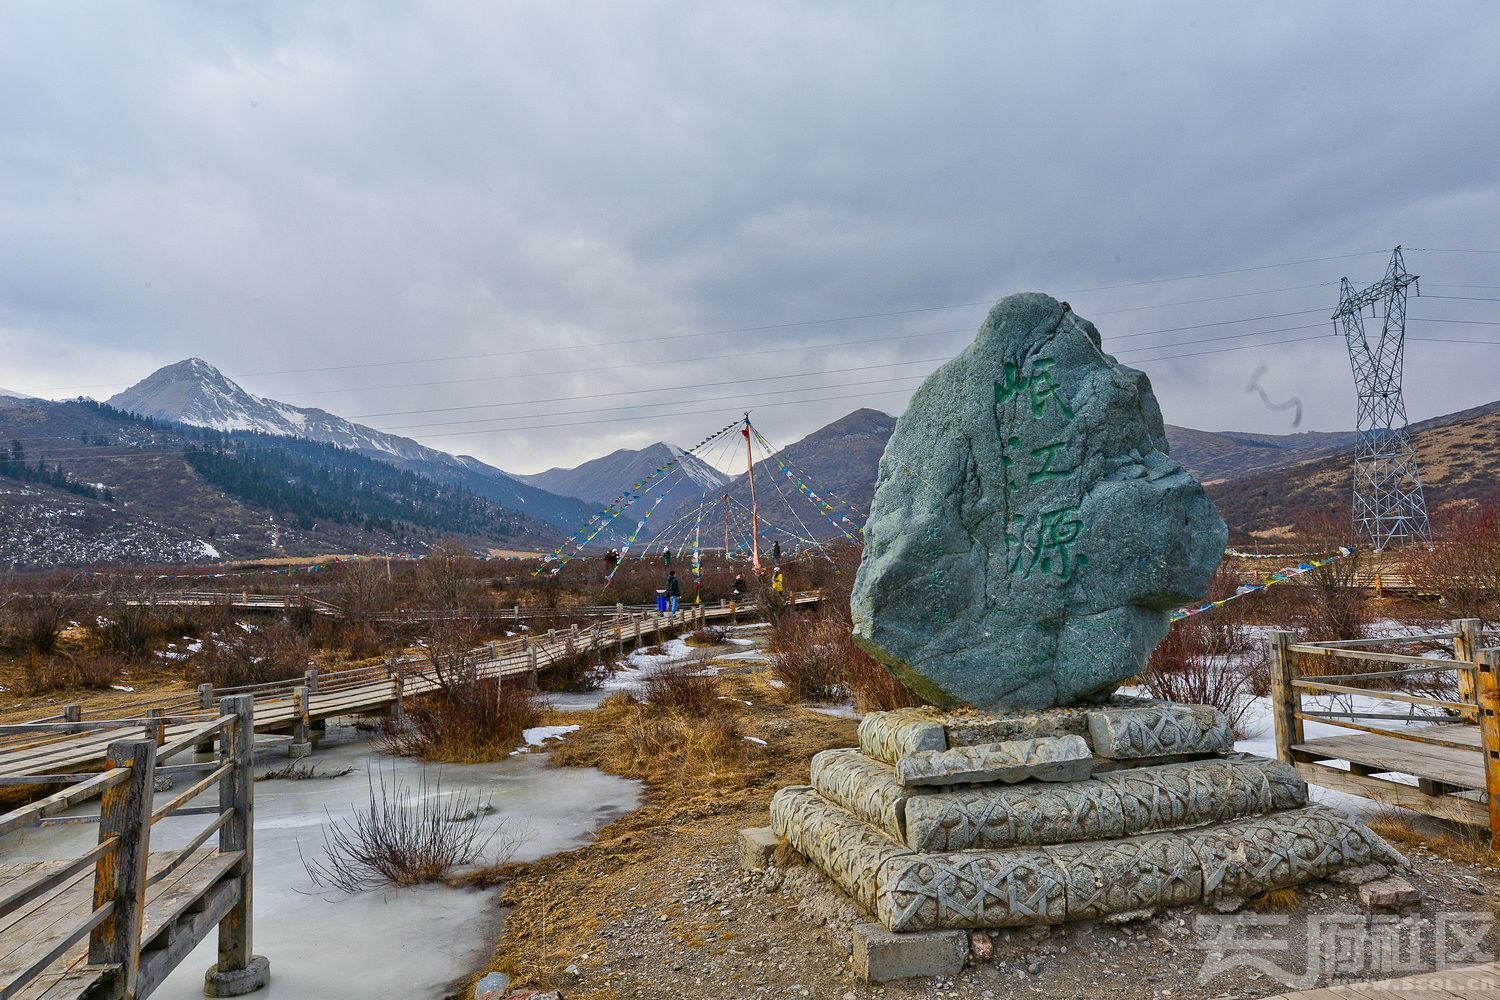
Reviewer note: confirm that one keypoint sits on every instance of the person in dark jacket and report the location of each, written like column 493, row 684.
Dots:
column 674, row 590
column 739, row 587
column 776, row 549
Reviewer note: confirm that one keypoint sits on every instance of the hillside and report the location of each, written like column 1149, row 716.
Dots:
column 600, row 480
column 173, row 494
column 1457, row 459
column 195, row 393
column 1214, row 456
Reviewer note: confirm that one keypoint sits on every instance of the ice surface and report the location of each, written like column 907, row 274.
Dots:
column 400, row 943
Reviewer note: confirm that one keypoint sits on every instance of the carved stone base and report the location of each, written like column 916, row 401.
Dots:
column 1206, row 827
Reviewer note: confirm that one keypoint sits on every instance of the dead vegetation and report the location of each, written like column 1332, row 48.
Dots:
column 1458, row 842
column 406, row 836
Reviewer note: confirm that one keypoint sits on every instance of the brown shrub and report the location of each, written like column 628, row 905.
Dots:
column 681, row 689
column 704, row 749
column 1463, row 563
column 274, row 652
column 875, row 688
column 41, row 675
column 466, row 723
column 1194, row 665
column 573, row 671
column 36, row 619
column 810, row 658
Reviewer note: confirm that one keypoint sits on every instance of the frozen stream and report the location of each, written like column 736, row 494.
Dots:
column 399, row 943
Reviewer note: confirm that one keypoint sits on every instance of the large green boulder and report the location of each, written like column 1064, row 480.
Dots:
column 1029, row 534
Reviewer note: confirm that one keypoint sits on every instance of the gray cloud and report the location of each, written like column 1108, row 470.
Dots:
column 285, row 186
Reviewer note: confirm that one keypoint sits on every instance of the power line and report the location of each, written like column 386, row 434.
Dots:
column 792, row 324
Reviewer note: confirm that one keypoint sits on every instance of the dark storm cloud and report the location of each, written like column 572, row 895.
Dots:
column 287, row 186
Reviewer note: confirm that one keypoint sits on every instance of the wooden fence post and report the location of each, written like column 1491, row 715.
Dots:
column 1284, row 697
column 204, row 751
column 120, row 875
column 156, row 729
column 1487, row 685
column 239, row 970
column 310, row 680
column 301, row 745
column 532, row 665
column 1465, row 648
column 398, row 695
column 72, row 713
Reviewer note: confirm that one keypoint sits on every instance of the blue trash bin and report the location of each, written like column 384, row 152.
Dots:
column 661, row 600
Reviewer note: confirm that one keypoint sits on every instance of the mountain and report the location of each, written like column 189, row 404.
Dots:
column 1217, row 456
column 9, row 397
column 1458, row 459
column 92, row 484
column 195, row 393
column 839, row 461
column 600, row 480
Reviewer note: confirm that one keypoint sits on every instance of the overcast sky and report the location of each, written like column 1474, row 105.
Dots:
column 278, row 186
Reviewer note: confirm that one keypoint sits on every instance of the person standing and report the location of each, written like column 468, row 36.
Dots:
column 739, row 586
column 777, row 584
column 666, row 557
column 674, row 590
column 776, row 549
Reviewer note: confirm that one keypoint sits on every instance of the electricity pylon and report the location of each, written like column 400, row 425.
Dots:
column 1388, row 502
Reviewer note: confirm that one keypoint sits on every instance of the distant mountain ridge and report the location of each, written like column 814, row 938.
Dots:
column 600, row 480
column 195, row 393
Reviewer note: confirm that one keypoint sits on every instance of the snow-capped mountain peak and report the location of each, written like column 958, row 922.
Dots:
column 195, row 393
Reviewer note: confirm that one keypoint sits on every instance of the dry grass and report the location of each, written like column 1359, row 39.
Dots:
column 701, row 789
column 682, row 689
column 66, row 672
column 1277, row 901
column 1457, row 842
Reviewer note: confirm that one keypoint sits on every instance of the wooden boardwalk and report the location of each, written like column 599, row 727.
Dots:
column 1447, row 767
column 113, row 922
column 1475, row 982
column 298, row 707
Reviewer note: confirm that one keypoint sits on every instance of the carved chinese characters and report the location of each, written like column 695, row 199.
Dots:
column 1029, row 533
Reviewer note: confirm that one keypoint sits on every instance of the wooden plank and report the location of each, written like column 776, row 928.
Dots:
column 1410, row 735
column 120, row 875
column 1447, row 807
column 1487, row 694
column 1451, row 766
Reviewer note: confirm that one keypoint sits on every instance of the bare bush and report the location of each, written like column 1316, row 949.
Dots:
column 708, row 635
column 1463, row 563
column 875, row 688
column 273, row 652
column 1193, row 665
column 573, row 671
column 681, row 689
column 466, row 723
column 448, row 578
column 36, row 619
column 44, row 674
column 1337, row 608
column 403, row 836
column 810, row 658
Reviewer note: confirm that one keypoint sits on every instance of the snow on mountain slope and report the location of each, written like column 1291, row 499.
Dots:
column 195, row 393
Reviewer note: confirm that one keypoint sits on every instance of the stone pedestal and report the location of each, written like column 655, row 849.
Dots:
column 1159, row 812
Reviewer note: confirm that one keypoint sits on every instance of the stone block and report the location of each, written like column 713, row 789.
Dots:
column 299, row 750
column 997, row 817
column 237, row 982
column 848, row 851
column 1192, row 793
column 1250, row 856
column 757, row 848
column 1030, row 534
column 867, row 788
column 1062, row 758
column 971, row 890
column 1133, row 874
column 889, row 736
column 1159, row 730
column 881, row 956
column 1394, row 895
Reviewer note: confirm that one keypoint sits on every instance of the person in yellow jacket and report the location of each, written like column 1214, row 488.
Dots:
column 777, row 584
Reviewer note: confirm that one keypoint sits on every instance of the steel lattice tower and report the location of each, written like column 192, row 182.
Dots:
column 1388, row 502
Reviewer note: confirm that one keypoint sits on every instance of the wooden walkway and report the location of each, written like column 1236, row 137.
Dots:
column 1476, row 982
column 298, row 707
column 179, row 909
column 1447, row 768
column 114, row 921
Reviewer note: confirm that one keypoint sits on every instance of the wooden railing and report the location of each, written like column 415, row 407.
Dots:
column 124, row 869
column 1458, row 779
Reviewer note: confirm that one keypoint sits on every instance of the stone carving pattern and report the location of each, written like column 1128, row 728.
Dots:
column 989, row 818
column 866, row 788
column 1157, row 732
column 1010, row 889
column 1048, row 758
column 846, row 850
column 889, row 736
